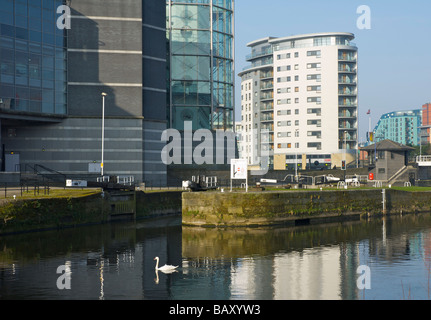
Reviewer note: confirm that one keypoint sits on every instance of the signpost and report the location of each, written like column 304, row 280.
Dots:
column 239, row 171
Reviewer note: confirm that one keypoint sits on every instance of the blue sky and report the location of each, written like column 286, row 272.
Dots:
column 394, row 55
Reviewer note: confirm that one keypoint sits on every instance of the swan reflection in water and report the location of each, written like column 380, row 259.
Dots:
column 166, row 269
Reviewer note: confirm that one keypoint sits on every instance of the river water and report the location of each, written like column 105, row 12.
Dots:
column 116, row 261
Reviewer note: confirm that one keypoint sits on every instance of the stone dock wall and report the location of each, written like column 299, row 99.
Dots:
column 216, row 209
column 30, row 215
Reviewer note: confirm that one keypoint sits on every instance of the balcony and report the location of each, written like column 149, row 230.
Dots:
column 347, row 115
column 267, row 75
column 259, row 54
column 267, row 96
column 347, row 92
column 267, row 118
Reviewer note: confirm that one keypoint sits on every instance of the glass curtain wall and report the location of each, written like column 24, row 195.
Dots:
column 32, row 57
column 200, row 44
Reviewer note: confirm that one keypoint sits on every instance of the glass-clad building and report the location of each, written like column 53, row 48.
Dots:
column 201, row 63
column 33, row 75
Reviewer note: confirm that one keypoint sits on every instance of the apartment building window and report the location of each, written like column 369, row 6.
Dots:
column 296, row 134
column 284, row 79
column 297, row 145
column 284, row 112
column 317, row 111
column 317, row 100
column 284, row 90
column 314, row 88
column 297, row 124
column 314, row 65
column 283, row 56
column 316, row 77
column 322, row 41
column 296, row 89
column 317, row 123
column 296, row 100
column 284, row 146
column 296, row 78
column 284, row 134
column 284, row 123
column 315, row 53
column 296, row 111
column 296, row 66
column 283, row 101
column 317, row 134
column 296, row 54
column 317, row 145
column 284, row 68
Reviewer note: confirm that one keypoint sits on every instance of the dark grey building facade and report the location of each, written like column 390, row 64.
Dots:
column 117, row 47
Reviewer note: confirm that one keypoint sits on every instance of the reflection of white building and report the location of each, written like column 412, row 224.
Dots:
column 309, row 275
column 313, row 274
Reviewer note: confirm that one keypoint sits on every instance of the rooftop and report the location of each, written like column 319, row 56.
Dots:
column 387, row 145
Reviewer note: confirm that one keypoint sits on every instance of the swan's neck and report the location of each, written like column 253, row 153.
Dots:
column 157, row 264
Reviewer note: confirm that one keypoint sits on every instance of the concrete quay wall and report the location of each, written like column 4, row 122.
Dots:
column 239, row 209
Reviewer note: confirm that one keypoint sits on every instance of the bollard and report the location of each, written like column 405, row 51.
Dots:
column 384, row 200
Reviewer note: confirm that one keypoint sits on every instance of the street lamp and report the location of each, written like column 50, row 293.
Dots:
column 103, row 129
column 296, row 157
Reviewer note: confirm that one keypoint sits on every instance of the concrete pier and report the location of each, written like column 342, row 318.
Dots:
column 238, row 209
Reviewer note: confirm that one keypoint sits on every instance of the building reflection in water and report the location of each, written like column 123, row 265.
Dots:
column 313, row 262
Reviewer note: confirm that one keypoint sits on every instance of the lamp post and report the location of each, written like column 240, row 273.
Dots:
column 296, row 157
column 103, row 130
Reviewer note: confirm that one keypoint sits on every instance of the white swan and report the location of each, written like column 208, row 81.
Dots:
column 165, row 268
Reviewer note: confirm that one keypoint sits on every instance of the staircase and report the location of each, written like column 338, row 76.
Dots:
column 38, row 174
column 398, row 176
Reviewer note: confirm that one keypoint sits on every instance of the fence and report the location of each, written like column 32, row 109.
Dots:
column 9, row 190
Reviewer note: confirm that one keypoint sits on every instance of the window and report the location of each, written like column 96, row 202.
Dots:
column 284, row 112
column 314, row 65
column 296, row 111
column 317, row 111
column 283, row 68
column 283, row 90
column 317, row 100
column 283, row 79
column 283, row 101
column 317, row 134
column 316, row 77
column 296, row 78
column 284, row 123
column 296, row 89
column 284, row 134
column 314, row 88
column 317, row 123
column 284, row 146
column 316, row 53
column 296, row 54
column 317, row 145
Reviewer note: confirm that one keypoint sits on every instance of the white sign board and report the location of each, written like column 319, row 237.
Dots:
column 76, row 183
column 239, row 169
column 94, row 167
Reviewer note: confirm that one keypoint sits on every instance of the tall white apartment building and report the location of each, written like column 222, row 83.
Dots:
column 303, row 89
